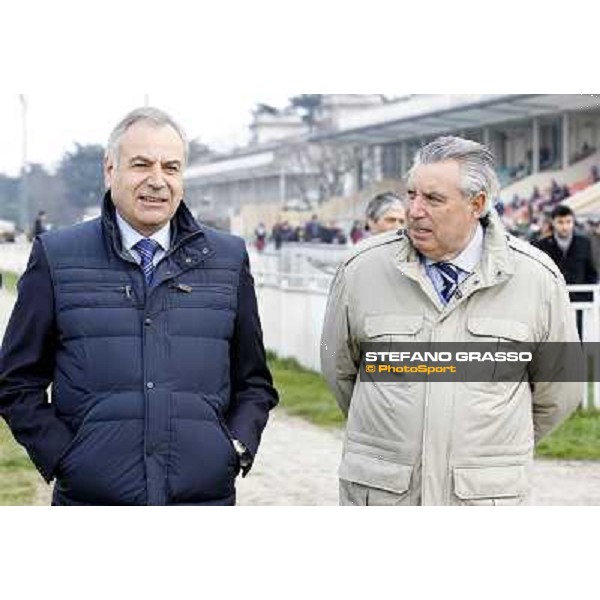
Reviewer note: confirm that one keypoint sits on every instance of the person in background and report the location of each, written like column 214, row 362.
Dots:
column 595, row 242
column 313, row 230
column 385, row 212
column 260, row 235
column 39, row 225
column 277, row 234
column 572, row 253
column 357, row 233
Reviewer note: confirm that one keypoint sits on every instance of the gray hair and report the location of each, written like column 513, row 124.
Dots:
column 381, row 204
column 476, row 162
column 156, row 117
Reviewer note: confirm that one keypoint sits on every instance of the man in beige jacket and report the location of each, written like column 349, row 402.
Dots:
column 455, row 275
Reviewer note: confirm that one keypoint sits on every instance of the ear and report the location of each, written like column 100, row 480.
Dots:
column 478, row 205
column 109, row 169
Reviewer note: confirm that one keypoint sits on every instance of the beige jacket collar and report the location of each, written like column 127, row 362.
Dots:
column 495, row 267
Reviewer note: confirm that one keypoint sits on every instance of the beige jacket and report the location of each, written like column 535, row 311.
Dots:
column 444, row 443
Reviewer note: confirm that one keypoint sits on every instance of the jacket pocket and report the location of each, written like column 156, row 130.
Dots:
column 392, row 328
column 490, row 485
column 487, row 334
column 103, row 465
column 372, row 481
column 194, row 295
column 489, row 329
column 96, row 295
column 226, row 432
column 202, row 463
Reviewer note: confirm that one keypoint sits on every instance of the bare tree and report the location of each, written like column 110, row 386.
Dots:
column 199, row 151
column 318, row 171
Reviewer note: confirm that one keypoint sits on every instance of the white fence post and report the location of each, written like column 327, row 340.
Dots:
column 590, row 311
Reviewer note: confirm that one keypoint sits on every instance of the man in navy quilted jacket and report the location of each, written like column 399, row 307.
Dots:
column 146, row 325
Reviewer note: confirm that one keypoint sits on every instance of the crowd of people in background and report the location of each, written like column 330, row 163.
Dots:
column 385, row 212
column 530, row 218
column 312, row 232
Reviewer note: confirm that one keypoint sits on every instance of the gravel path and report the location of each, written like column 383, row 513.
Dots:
column 297, row 466
column 298, row 462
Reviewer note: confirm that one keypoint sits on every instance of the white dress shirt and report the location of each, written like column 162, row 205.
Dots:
column 466, row 261
column 131, row 237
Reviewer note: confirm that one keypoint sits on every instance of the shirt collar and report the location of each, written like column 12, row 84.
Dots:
column 468, row 259
column 131, row 237
column 563, row 243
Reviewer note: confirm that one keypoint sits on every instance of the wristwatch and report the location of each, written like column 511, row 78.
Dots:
column 244, row 456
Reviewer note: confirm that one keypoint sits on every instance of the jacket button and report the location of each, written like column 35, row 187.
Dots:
column 205, row 251
column 150, row 385
column 148, row 322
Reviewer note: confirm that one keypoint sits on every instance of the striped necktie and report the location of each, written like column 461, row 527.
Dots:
column 147, row 248
column 449, row 274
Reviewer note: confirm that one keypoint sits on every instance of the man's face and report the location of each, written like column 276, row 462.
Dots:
column 146, row 183
column 564, row 226
column 441, row 221
column 393, row 220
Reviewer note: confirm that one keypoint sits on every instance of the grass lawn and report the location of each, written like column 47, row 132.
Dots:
column 305, row 394
column 18, row 477
column 9, row 282
column 577, row 439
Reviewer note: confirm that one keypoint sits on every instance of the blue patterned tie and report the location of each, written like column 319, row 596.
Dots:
column 147, row 248
column 449, row 275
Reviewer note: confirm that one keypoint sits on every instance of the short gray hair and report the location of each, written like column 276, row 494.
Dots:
column 476, row 162
column 381, row 204
column 156, row 117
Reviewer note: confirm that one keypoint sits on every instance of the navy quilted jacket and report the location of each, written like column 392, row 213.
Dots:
column 149, row 386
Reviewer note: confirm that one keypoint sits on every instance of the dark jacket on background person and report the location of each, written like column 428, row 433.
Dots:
column 150, row 385
column 38, row 227
column 595, row 246
column 577, row 265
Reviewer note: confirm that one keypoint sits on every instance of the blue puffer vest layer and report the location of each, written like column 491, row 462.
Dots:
column 143, row 376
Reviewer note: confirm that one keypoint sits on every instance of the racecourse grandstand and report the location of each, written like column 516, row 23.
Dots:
column 330, row 159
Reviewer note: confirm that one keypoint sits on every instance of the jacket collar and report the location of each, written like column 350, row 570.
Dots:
column 496, row 265
column 184, row 227
column 497, row 262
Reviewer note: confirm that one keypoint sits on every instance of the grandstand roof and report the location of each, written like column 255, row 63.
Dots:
column 429, row 115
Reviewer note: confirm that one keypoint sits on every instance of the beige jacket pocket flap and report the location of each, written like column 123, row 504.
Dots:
column 375, row 473
column 473, row 483
column 501, row 328
column 376, row 325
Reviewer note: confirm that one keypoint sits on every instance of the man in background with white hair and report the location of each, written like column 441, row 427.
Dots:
column 456, row 276
column 385, row 212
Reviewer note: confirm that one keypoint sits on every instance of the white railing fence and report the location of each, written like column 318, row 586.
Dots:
column 589, row 313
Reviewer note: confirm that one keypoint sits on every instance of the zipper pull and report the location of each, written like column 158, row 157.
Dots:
column 128, row 291
column 184, row 288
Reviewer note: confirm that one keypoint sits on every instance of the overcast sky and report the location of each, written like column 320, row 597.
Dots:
column 56, row 122
column 217, row 60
